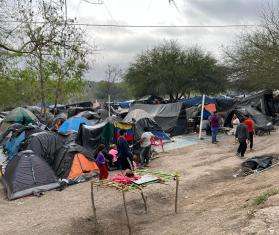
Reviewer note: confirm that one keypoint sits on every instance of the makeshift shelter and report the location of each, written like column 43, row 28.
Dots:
column 19, row 115
column 195, row 101
column 72, row 161
column 46, row 145
column 260, row 119
column 170, row 117
column 150, row 99
column 28, row 174
column 91, row 136
column 72, row 125
column 142, row 120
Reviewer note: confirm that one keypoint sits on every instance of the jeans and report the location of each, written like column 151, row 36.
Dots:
column 214, row 132
column 251, row 139
column 145, row 155
column 242, row 147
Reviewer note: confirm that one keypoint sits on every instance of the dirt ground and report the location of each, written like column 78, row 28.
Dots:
column 211, row 200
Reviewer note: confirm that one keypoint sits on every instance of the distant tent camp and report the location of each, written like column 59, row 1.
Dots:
column 170, row 117
column 143, row 120
column 28, row 174
column 72, row 125
column 20, row 115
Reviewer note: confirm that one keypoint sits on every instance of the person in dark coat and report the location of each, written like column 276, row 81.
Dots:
column 242, row 135
column 124, row 152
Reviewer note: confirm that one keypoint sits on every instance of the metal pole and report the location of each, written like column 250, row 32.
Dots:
column 202, row 108
column 109, row 104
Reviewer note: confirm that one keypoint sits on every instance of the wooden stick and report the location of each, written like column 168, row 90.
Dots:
column 126, row 212
column 93, row 205
column 176, row 193
column 144, row 200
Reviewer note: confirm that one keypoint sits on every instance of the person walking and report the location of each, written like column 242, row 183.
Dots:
column 242, row 135
column 214, row 123
column 250, row 127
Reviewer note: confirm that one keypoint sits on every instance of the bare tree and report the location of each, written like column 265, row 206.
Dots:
column 113, row 74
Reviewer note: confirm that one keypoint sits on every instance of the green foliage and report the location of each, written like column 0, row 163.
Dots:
column 264, row 196
column 254, row 57
column 171, row 70
column 118, row 91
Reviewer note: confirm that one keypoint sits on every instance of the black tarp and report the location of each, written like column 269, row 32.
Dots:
column 258, row 163
column 260, row 119
column 141, row 120
column 64, row 158
column 27, row 174
column 46, row 145
column 170, row 117
column 90, row 137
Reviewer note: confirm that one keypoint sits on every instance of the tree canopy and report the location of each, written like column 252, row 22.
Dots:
column 254, row 57
column 169, row 69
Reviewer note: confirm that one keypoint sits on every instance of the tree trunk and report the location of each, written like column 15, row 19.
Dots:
column 58, row 90
column 42, row 84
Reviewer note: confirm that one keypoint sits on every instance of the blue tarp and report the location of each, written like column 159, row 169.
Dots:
column 13, row 144
column 72, row 125
column 161, row 135
column 195, row 101
column 125, row 104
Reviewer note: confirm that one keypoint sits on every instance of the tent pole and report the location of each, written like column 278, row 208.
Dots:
column 202, row 108
column 109, row 104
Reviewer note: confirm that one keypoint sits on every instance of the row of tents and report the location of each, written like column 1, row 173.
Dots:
column 43, row 151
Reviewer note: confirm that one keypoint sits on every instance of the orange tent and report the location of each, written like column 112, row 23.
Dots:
column 81, row 165
column 210, row 107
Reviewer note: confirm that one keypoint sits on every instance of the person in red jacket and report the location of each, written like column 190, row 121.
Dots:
column 250, row 128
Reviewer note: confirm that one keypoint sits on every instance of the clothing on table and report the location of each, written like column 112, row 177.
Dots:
column 101, row 163
column 242, row 147
column 145, row 155
column 124, row 154
column 146, row 139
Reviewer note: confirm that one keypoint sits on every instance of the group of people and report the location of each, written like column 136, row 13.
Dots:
column 243, row 131
column 121, row 156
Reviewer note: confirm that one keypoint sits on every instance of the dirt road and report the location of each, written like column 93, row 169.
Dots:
column 211, row 201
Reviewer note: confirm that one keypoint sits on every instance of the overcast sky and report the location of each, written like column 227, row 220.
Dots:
column 120, row 46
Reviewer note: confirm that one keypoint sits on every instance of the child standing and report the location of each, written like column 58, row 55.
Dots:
column 101, row 162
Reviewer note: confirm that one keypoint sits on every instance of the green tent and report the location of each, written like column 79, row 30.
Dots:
column 20, row 115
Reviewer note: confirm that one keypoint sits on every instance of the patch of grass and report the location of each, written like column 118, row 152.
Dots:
column 264, row 196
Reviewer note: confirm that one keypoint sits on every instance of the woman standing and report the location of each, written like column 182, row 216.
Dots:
column 124, row 153
column 101, row 162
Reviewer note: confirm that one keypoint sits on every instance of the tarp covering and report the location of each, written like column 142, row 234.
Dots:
column 170, row 117
column 260, row 119
column 63, row 161
column 142, row 120
column 46, row 145
column 91, row 136
column 258, row 163
column 27, row 174
column 195, row 101
column 72, row 124
column 20, row 115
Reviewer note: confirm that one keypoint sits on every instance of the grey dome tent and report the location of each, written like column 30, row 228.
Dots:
column 28, row 174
